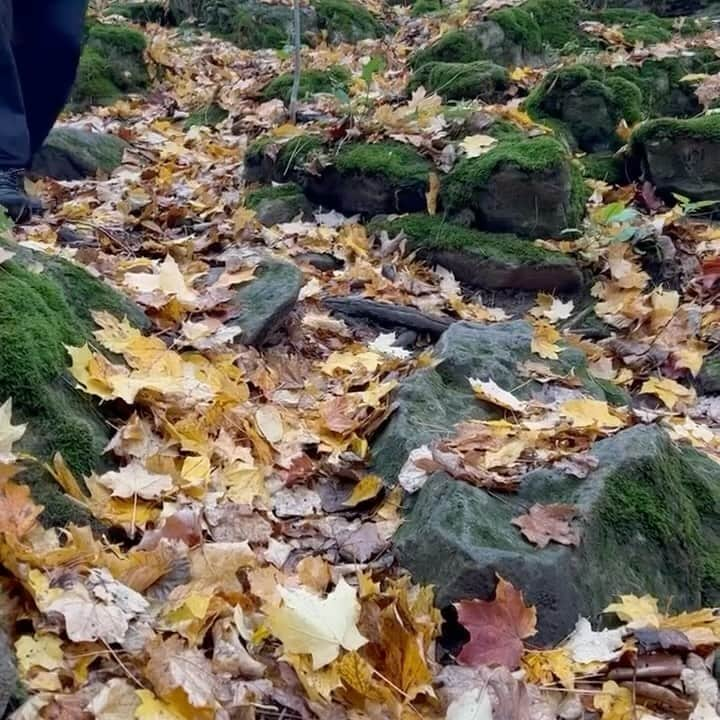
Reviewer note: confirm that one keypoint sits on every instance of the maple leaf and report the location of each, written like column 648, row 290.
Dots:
column 587, row 413
column 134, row 480
column 638, row 612
column 116, row 700
column 306, row 623
column 491, row 392
column 385, row 345
column 168, row 282
column 368, row 488
column 544, row 340
column 552, row 308
column 9, row 433
column 42, row 650
column 497, row 627
column 614, row 702
column 543, row 523
column 18, row 511
column 669, row 391
column 588, row 646
column 477, row 145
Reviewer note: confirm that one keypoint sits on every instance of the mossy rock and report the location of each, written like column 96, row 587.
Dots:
column 605, row 166
column 487, row 260
column 455, row 46
column 431, row 401
column 73, row 154
column 371, row 179
column 425, row 7
column 143, row 12
column 267, row 160
column 276, row 204
column 462, row 81
column 650, row 519
column 528, row 187
column 646, row 28
column 708, row 379
column 46, row 305
column 207, row 115
column 312, row 82
column 112, row 64
column 347, row 21
column 589, row 102
column 664, row 8
column 680, row 156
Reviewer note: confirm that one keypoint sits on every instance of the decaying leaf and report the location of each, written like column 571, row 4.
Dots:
column 545, row 523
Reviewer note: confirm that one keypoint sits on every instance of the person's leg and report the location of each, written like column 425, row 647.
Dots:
column 14, row 136
column 47, row 43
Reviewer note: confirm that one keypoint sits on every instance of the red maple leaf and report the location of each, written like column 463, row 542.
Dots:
column 497, row 627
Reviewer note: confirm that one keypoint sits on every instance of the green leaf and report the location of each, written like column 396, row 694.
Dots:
column 374, row 65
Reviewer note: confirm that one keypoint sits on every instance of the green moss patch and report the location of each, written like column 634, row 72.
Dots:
column 605, row 166
column 286, row 191
column 209, row 115
column 347, row 21
column 589, row 101
column 147, row 11
column 456, row 46
column 397, row 162
column 539, row 23
column 312, row 82
column 424, row 7
column 433, row 232
column 41, row 313
column 266, row 159
column 461, row 81
column 112, row 64
column 702, row 128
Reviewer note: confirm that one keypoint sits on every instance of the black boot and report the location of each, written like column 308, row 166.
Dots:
column 18, row 204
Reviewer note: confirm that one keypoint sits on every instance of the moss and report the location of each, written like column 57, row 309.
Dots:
column 702, row 128
column 605, row 166
column 396, row 161
column 459, row 46
column 433, row 232
column 312, row 82
column 286, row 191
column 531, row 155
column 347, row 20
column 589, row 102
column 537, row 23
column 112, row 64
column 424, row 7
column 209, row 115
column 637, row 26
column 506, row 130
column 254, row 31
column 149, row 11
column 461, row 81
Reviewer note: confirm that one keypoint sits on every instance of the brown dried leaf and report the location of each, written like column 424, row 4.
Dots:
column 543, row 523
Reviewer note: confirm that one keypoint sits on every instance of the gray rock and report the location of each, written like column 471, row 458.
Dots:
column 433, row 400
column 320, row 261
column 650, row 519
column 9, row 680
column 264, row 303
column 282, row 210
column 708, row 379
column 73, row 154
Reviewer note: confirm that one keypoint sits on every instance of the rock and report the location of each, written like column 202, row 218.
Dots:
column 279, row 204
column 455, row 46
column 45, row 305
column 487, row 260
column 528, row 187
column 431, row 401
column 371, row 179
column 462, row 81
column 74, row 154
column 649, row 524
column 347, row 21
column 324, row 262
column 9, row 679
column 112, row 64
column 268, row 161
column 680, row 156
column 708, row 379
column 589, row 103
column 312, row 82
column 265, row 302
column 665, row 8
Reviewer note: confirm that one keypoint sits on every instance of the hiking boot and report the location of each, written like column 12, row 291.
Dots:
column 18, row 204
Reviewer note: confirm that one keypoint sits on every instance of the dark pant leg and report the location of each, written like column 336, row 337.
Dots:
column 14, row 137
column 47, row 44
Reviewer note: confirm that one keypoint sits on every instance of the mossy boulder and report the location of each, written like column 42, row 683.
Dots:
column 650, row 515
column 371, row 179
column 209, row 115
column 433, row 400
column 487, row 260
column 46, row 305
column 643, row 27
column 263, row 304
column 680, row 156
column 268, row 160
column 455, row 46
column 462, row 81
column 528, row 187
column 275, row 204
column 606, row 166
column 589, row 102
column 665, row 8
column 74, row 154
column 425, row 7
column 112, row 64
column 312, row 82
column 347, row 21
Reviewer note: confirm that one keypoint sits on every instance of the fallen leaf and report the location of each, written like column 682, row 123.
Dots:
column 669, row 391
column 587, row 646
column 497, row 627
column 134, row 480
column 477, row 145
column 9, row 433
column 544, row 340
column 545, row 523
column 491, row 392
column 368, row 488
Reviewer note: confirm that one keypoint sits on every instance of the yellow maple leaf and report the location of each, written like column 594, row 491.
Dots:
column 318, row 684
column 637, row 611
column 368, row 488
column 152, row 708
column 691, row 355
column 91, row 372
column 41, row 651
column 319, row 627
column 543, row 666
column 669, row 391
column 614, row 702
column 477, row 145
column 349, row 361
column 587, row 413
column 544, row 340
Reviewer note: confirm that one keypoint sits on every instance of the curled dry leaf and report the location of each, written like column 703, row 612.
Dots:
column 545, row 523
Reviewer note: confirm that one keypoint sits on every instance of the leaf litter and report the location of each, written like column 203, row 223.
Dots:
column 235, row 589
